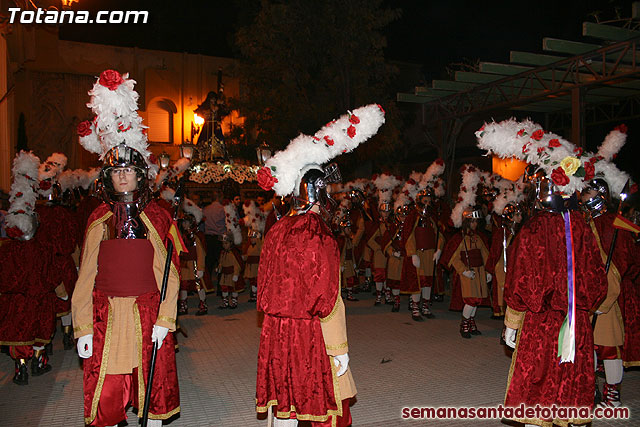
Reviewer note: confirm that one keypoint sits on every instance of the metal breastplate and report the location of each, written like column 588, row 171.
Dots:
column 126, row 223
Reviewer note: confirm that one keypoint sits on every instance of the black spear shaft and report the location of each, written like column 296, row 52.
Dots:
column 154, row 352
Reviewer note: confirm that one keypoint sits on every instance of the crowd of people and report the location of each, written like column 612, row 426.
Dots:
column 552, row 254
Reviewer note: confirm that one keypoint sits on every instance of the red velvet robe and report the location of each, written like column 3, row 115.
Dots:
column 537, row 286
column 298, row 283
column 165, row 394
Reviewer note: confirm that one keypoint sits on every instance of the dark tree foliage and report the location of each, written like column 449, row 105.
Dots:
column 305, row 63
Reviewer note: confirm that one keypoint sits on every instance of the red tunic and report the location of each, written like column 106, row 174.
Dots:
column 298, row 283
column 537, row 285
column 457, row 302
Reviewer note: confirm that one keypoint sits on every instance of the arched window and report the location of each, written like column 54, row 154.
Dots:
column 160, row 120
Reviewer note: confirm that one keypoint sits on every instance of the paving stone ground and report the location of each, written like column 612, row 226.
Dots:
column 425, row 364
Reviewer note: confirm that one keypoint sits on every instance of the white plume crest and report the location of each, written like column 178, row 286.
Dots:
column 330, row 141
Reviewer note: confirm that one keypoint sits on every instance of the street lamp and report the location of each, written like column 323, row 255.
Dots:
column 187, row 150
column 164, row 160
column 263, row 152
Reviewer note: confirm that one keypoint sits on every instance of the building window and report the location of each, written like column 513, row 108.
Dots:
column 160, row 120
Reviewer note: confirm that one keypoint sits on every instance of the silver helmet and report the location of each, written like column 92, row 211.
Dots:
column 596, row 205
column 313, row 190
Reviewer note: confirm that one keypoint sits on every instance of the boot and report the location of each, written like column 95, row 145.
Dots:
column 183, row 308
column 378, row 298
column 350, row 296
column 21, row 376
column 39, row 363
column 473, row 328
column 225, row 303
column 465, row 328
column 67, row 338
column 415, row 311
column 203, row 309
column 396, row 304
column 388, row 298
column 611, row 395
column 234, row 303
column 253, row 297
column 425, row 311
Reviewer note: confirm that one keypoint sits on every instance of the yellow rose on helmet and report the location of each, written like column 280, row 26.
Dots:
column 570, row 165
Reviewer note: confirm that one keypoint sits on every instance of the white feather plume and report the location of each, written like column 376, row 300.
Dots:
column 333, row 139
column 232, row 222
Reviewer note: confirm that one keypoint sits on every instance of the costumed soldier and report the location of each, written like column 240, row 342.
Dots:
column 403, row 262
column 117, row 312
column 192, row 261
column 349, row 278
column 231, row 265
column 608, row 319
column 303, row 362
column 28, row 283
column 365, row 218
column 555, row 279
column 254, row 220
column 428, row 234
column 465, row 255
column 385, row 185
column 507, row 205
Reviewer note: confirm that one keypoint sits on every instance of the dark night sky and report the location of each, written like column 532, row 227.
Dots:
column 430, row 32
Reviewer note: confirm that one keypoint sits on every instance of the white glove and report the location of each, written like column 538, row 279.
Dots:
column 510, row 337
column 199, row 274
column 234, row 278
column 436, row 255
column 489, row 277
column 396, row 254
column 85, row 346
column 341, row 361
column 159, row 334
column 415, row 259
column 470, row 274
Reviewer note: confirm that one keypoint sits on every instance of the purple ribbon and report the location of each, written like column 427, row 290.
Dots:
column 570, row 271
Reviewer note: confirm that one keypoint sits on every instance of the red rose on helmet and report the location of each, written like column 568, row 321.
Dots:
column 578, row 151
column 521, row 132
column 554, row 142
column 622, row 128
column 265, row 179
column 328, row 140
column 537, row 135
column 84, row 128
column 589, row 171
column 354, row 119
column 351, row 131
column 14, row 232
column 111, row 79
column 559, row 177
column 45, row 185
